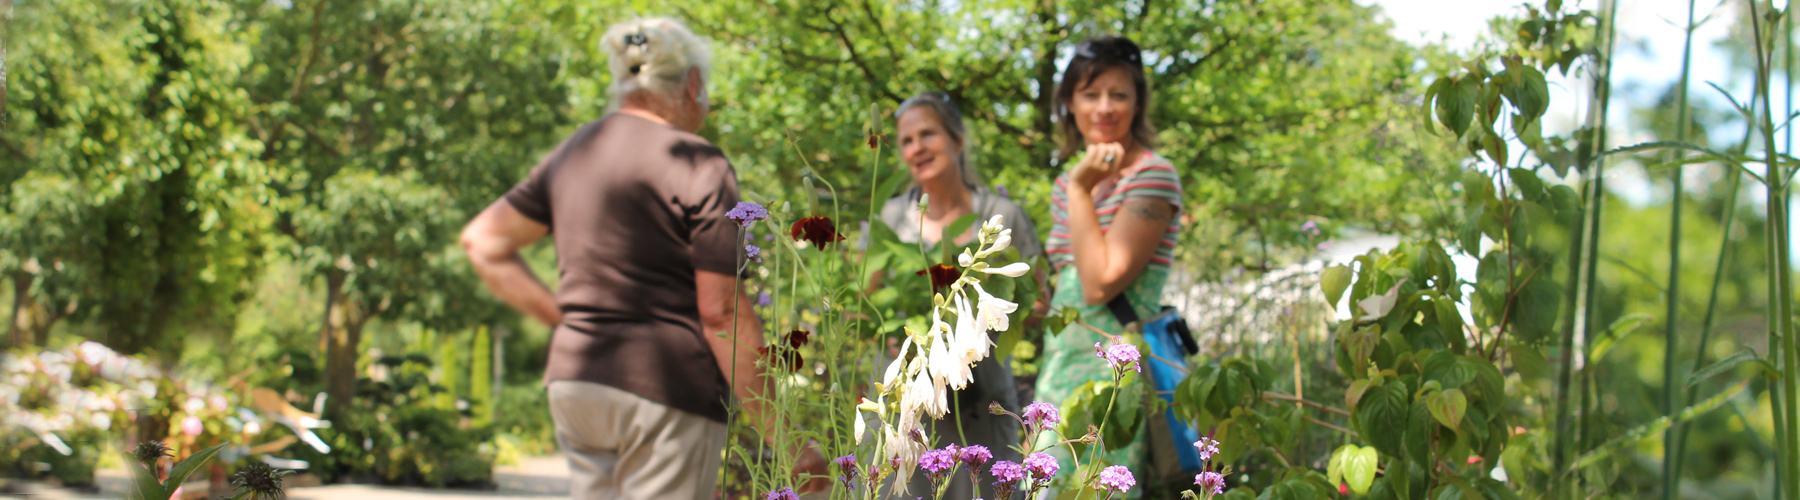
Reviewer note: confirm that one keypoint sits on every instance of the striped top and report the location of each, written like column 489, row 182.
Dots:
column 1152, row 177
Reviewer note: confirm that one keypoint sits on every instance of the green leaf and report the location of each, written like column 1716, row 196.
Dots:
column 187, row 467
column 1654, row 428
column 1469, row 235
column 1534, row 314
column 1359, row 468
column 1528, row 91
column 1448, row 406
column 1620, row 329
column 1727, row 364
column 1448, row 370
column 1450, row 321
column 1354, row 394
column 1528, row 361
column 1431, row 93
column 1419, row 430
column 1060, row 320
column 1456, row 103
column 1361, row 343
column 1381, row 416
column 1334, row 468
column 145, row 485
column 954, row 230
column 1334, row 280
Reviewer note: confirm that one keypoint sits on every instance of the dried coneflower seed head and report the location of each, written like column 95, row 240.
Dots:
column 259, row 479
column 149, row 452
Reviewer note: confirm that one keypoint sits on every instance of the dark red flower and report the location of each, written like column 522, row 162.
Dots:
column 874, row 140
column 818, row 230
column 942, row 276
column 798, row 338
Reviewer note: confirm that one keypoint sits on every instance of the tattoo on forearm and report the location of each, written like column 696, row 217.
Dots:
column 1153, row 211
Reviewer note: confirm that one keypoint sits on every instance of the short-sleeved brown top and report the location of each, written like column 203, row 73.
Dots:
column 636, row 206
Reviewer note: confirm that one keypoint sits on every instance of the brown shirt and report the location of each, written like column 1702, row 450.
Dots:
column 636, row 206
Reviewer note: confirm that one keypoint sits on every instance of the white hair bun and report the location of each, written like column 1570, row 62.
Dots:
column 653, row 54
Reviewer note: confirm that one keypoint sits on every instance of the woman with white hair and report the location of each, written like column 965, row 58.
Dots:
column 646, row 354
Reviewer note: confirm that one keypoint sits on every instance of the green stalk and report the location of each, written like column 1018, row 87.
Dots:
column 1671, row 401
column 1783, row 345
column 1785, row 270
column 1582, row 279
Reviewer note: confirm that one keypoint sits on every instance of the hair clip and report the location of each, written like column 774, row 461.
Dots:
column 636, row 39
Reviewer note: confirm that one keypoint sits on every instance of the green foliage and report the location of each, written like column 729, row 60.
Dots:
column 145, row 485
column 397, row 430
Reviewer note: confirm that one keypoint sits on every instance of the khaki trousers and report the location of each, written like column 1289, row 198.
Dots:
column 622, row 446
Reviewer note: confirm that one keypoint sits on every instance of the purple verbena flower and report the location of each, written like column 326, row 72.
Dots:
column 1040, row 413
column 1042, row 466
column 751, row 252
column 746, row 213
column 937, row 461
column 782, row 494
column 763, row 299
column 1117, row 479
column 1208, row 447
column 1212, row 480
column 1310, row 227
column 974, row 456
column 1003, row 192
column 847, row 465
column 1007, row 472
column 1119, row 356
column 1007, row 476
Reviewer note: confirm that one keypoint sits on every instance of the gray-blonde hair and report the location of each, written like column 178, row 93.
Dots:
column 654, row 54
column 951, row 119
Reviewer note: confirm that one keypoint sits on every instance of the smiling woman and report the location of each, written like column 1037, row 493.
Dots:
column 1114, row 211
column 934, row 144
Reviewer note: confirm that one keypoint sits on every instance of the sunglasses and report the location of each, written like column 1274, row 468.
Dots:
column 1117, row 49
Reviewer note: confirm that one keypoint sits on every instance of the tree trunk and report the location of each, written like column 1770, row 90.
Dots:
column 335, row 344
column 334, row 288
column 21, row 286
column 1041, row 151
column 340, row 362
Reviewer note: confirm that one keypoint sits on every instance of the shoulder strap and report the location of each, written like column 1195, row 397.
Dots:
column 1121, row 310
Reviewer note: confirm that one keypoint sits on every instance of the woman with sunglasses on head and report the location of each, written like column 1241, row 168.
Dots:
column 1115, row 226
column 934, row 145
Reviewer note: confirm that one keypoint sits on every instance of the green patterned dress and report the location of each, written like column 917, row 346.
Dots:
column 1069, row 360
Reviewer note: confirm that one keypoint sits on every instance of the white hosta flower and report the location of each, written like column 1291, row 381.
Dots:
column 991, row 312
column 903, row 451
column 893, row 369
column 970, row 342
column 1002, row 242
column 861, row 426
column 966, row 259
column 1012, row 270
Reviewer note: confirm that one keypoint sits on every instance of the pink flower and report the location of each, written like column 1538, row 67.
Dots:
column 1208, row 447
column 1042, row 466
column 1119, row 356
column 1210, row 479
column 1040, row 414
column 1117, row 479
column 974, row 455
column 192, row 426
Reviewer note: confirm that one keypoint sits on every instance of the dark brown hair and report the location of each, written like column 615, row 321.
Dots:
column 1093, row 58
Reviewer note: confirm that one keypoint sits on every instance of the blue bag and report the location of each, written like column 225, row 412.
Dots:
column 1172, row 449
